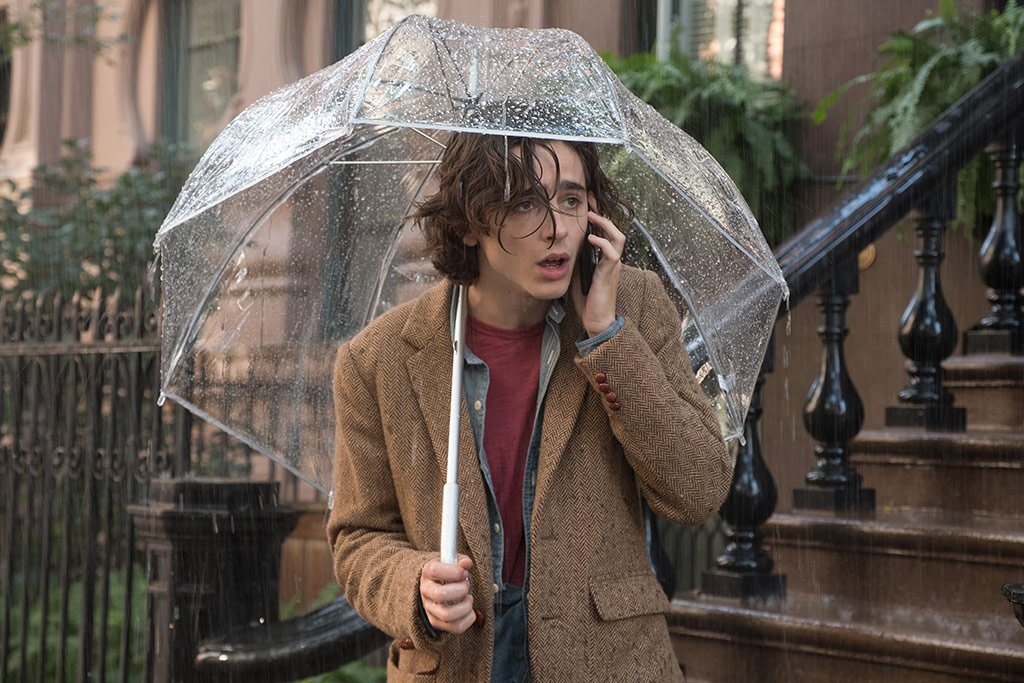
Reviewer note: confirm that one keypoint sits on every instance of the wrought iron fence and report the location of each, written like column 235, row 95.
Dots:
column 81, row 436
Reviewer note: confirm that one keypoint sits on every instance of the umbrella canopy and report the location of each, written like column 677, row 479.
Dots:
column 290, row 235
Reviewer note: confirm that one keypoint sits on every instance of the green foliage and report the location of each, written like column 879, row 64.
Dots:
column 70, row 231
column 747, row 125
column 114, row 620
column 289, row 608
column 355, row 672
column 57, row 22
column 924, row 72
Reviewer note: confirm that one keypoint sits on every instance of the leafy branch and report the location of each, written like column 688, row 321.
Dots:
column 86, row 235
column 923, row 73
column 747, row 125
column 48, row 20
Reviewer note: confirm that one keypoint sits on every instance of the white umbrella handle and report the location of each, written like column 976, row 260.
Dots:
column 450, row 503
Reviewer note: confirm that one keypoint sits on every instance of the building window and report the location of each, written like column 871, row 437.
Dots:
column 747, row 32
column 201, row 71
column 5, row 77
column 357, row 21
column 383, row 14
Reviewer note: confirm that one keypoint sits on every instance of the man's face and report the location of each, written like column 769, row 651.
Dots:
column 531, row 266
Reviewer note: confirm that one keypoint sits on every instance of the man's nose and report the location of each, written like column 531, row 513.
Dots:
column 564, row 222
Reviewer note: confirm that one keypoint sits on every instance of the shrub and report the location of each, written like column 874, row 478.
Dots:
column 747, row 125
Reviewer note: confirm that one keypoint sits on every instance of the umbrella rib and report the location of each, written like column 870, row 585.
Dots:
column 615, row 103
column 384, row 161
column 389, row 257
column 436, row 142
column 448, row 90
column 376, row 63
column 195, row 317
column 689, row 303
column 777, row 277
column 165, row 228
column 491, row 131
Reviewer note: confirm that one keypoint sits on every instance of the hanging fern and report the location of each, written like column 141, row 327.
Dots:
column 747, row 125
column 923, row 73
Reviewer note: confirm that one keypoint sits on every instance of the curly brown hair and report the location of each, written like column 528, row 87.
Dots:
column 480, row 178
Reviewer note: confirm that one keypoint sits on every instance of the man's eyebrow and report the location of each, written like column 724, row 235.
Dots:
column 571, row 186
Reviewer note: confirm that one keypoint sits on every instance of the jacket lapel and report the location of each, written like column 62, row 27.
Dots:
column 430, row 370
column 563, row 402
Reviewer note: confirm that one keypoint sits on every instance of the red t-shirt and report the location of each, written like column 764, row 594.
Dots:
column 513, row 363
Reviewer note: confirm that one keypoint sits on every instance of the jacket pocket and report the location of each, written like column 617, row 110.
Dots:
column 630, row 639
column 412, row 664
column 629, row 595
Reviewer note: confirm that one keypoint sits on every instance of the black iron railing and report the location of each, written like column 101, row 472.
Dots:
column 918, row 181
column 81, row 438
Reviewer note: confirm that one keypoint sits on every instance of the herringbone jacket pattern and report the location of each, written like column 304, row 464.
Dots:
column 596, row 612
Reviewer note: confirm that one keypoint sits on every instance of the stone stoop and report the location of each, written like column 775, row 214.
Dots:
column 814, row 638
column 991, row 388
column 917, row 559
column 908, row 593
column 967, row 472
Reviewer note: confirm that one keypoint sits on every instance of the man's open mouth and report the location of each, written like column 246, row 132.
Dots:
column 554, row 262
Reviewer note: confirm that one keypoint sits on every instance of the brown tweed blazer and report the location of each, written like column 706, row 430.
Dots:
column 596, row 612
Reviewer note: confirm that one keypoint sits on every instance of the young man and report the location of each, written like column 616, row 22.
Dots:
column 575, row 406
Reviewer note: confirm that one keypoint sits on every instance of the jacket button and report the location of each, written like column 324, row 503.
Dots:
column 604, row 388
column 497, row 528
column 477, row 405
column 406, row 644
column 610, row 397
column 494, row 587
column 601, row 378
column 614, row 406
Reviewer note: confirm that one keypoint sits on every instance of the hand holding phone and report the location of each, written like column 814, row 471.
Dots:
column 586, row 260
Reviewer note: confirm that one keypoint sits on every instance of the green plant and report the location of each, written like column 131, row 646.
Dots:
column 114, row 620
column 70, row 232
column 747, row 125
column 922, row 73
column 355, row 672
column 50, row 20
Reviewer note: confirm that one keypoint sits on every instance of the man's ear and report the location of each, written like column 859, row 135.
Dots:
column 470, row 239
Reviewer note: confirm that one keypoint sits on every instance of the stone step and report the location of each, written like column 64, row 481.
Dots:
column 924, row 559
column 962, row 472
column 814, row 638
column 991, row 388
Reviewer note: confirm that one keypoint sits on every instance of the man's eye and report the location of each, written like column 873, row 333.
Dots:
column 524, row 206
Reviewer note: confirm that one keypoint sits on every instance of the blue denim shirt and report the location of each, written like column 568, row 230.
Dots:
column 511, row 602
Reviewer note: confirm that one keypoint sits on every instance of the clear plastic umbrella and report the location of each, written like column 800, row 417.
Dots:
column 290, row 235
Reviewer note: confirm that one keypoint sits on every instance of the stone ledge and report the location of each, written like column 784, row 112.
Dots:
column 814, row 638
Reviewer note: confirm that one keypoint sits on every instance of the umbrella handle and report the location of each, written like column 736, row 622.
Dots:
column 450, row 502
column 449, row 522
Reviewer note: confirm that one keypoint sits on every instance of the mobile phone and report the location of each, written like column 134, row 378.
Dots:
column 586, row 261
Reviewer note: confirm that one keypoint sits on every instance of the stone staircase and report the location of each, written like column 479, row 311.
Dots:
column 909, row 592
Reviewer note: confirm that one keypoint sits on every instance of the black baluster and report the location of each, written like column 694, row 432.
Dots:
column 928, row 332
column 1002, row 268
column 744, row 569
column 834, row 412
column 1014, row 592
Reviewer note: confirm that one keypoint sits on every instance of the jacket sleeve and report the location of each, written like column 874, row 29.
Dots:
column 376, row 565
column 669, row 434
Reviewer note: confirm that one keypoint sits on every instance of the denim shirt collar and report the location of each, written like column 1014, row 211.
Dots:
column 556, row 313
